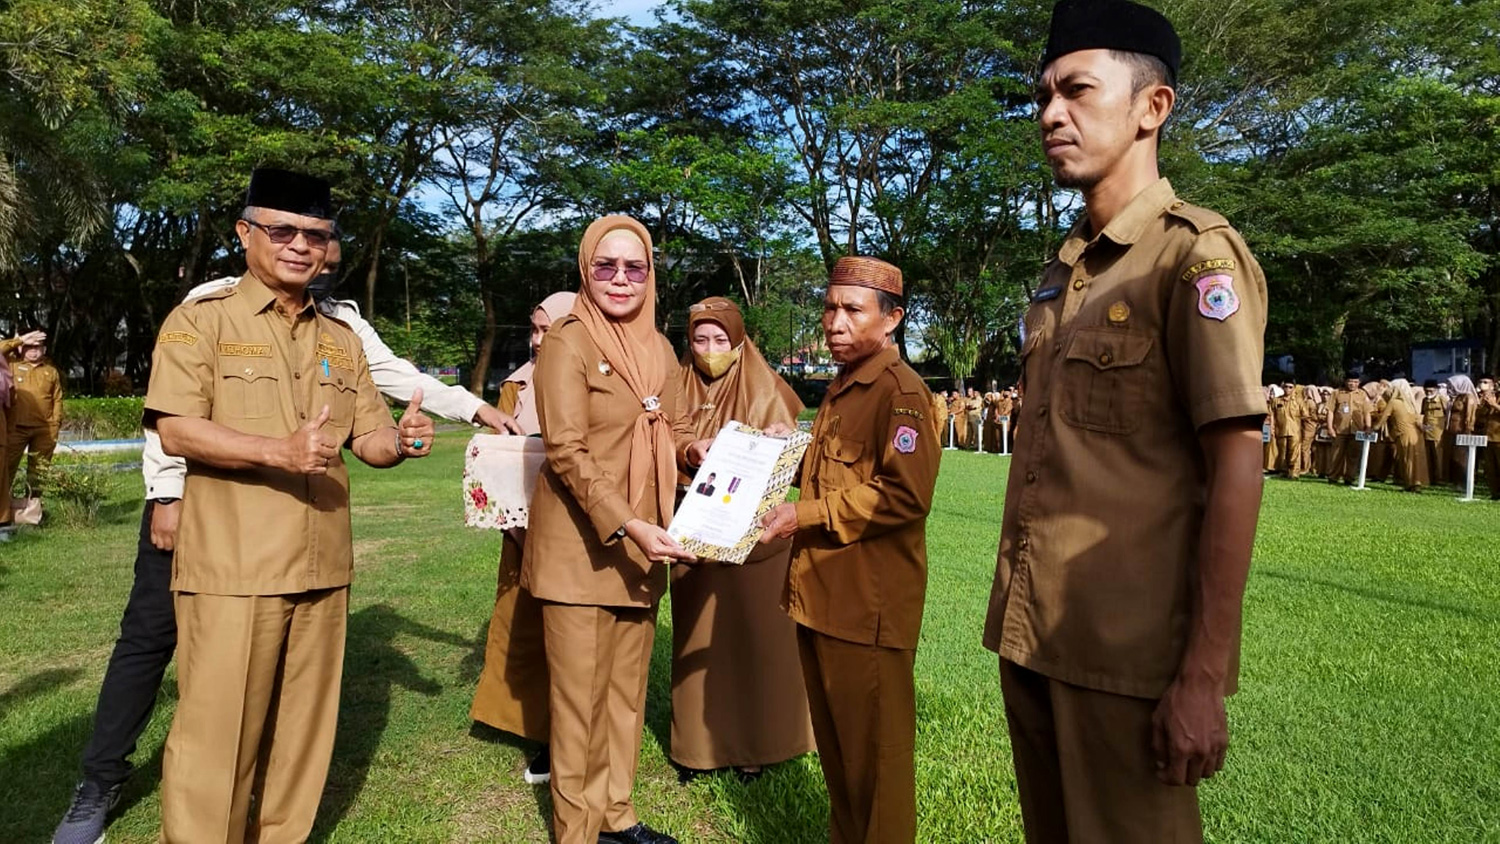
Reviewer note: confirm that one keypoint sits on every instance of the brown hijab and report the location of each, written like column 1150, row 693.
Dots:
column 633, row 348
column 749, row 391
column 556, row 306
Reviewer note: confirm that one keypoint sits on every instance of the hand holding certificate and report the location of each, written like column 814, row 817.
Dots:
column 745, row 474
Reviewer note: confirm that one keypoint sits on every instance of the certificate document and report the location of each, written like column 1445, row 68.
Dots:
column 745, row 474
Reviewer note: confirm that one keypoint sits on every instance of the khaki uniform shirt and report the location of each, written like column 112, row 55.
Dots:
column 1487, row 420
column 233, row 358
column 1462, row 413
column 1434, row 412
column 1351, row 412
column 859, row 560
column 1135, row 339
column 588, row 417
column 1287, row 413
column 38, row 398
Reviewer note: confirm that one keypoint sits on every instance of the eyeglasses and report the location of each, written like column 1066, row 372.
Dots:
column 283, row 234
column 606, row 272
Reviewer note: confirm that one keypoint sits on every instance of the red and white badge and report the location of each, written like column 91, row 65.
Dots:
column 1216, row 296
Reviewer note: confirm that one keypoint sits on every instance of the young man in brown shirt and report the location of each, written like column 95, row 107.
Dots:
column 1135, row 486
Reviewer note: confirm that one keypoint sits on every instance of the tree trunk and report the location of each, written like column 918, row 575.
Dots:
column 373, row 272
column 486, row 345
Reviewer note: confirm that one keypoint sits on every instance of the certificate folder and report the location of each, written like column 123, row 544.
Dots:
column 745, row 474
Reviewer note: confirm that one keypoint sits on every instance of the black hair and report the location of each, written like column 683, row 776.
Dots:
column 1146, row 70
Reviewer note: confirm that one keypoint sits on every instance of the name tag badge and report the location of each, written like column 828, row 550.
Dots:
column 1047, row 294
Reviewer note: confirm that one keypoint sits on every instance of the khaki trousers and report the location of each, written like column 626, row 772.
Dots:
column 514, row 687
column 258, row 702
column 599, row 658
column 4, row 467
column 36, row 443
column 1289, row 456
column 1084, row 766
column 1490, row 457
column 1344, row 465
column 864, row 714
column 1437, row 460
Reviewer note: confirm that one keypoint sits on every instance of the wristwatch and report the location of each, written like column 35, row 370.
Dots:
column 165, row 501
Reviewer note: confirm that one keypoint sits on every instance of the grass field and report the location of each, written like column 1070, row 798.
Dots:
column 1368, row 710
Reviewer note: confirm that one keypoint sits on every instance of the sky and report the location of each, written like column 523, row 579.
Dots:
column 637, row 11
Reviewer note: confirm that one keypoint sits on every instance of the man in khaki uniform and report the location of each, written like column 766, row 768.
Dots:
column 1349, row 411
column 1286, row 416
column 859, row 561
column 259, row 391
column 36, row 409
column 1434, row 415
column 1133, row 494
column 1487, row 422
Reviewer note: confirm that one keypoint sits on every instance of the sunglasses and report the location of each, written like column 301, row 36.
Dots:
column 283, row 234
column 606, row 272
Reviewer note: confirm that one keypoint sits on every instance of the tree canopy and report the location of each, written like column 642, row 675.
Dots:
column 1355, row 143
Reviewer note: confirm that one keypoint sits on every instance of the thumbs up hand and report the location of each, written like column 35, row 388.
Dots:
column 414, row 431
column 308, row 450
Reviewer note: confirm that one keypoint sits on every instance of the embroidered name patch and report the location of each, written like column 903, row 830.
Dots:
column 1216, row 296
column 177, row 337
column 906, row 439
column 1047, row 293
column 907, row 411
column 1205, row 266
column 335, row 355
column 245, row 350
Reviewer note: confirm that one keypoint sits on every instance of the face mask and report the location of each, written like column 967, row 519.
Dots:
column 322, row 285
column 715, row 364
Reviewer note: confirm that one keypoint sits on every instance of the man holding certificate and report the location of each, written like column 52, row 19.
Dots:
column 859, row 564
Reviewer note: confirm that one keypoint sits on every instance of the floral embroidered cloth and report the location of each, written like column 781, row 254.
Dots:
column 500, row 475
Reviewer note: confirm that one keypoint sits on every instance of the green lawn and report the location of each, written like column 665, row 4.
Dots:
column 1368, row 711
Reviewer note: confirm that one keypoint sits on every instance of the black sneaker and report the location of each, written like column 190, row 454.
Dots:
column 638, row 834
column 84, row 822
column 539, row 770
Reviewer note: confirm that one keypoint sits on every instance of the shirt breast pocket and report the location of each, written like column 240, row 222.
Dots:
column 338, row 392
column 841, row 462
column 248, row 391
column 1106, row 380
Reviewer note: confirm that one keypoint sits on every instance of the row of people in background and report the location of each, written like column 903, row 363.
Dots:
column 977, row 422
column 31, row 403
column 1310, row 430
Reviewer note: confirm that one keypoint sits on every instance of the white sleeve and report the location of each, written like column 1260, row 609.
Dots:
column 398, row 379
column 164, row 474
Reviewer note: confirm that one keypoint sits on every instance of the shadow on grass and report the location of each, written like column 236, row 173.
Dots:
column 373, row 668
column 35, row 686
column 1377, row 595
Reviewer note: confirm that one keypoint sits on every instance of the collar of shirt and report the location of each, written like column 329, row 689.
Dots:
column 1127, row 226
column 866, row 370
column 258, row 297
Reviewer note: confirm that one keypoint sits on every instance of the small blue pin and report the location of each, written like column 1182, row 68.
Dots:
column 325, row 367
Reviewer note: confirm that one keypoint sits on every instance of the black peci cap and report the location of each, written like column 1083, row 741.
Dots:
column 1112, row 25
column 295, row 193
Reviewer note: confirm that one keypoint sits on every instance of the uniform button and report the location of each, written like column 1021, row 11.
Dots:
column 1041, row 411
column 301, row 415
column 297, row 375
column 1056, row 347
column 1031, row 477
column 1078, row 284
column 1106, row 359
column 1023, row 544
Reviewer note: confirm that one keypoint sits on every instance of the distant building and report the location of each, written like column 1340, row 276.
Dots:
column 1438, row 359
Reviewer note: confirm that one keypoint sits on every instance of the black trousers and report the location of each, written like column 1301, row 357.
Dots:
column 148, row 637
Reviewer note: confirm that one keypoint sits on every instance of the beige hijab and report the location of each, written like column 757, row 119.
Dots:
column 556, row 306
column 633, row 347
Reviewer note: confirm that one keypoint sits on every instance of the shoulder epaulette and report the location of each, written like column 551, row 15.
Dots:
column 1201, row 219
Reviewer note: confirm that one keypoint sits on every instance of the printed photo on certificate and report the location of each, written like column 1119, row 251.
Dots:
column 745, row 474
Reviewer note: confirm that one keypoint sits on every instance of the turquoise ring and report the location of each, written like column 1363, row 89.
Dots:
column 416, row 443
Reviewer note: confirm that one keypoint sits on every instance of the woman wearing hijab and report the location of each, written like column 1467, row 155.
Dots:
column 1379, row 467
column 613, row 420
column 1461, row 413
column 738, row 698
column 513, row 687
column 1400, row 417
